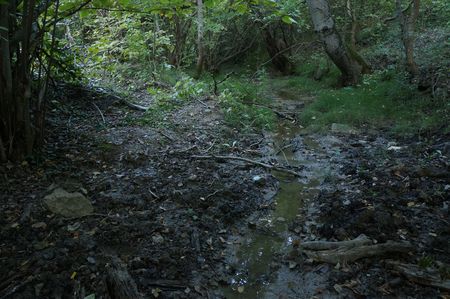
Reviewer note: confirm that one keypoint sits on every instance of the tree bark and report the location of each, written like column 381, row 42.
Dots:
column 335, row 48
column 200, row 33
column 407, row 25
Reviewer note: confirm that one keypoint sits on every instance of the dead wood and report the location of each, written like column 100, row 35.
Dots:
column 268, row 166
column 119, row 283
column 416, row 274
column 327, row 245
column 131, row 105
column 351, row 254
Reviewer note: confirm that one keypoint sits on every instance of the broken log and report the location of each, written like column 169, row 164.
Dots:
column 119, row 283
column 327, row 245
column 351, row 254
column 264, row 165
column 424, row 276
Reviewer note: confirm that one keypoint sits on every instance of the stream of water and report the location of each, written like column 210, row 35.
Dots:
column 255, row 256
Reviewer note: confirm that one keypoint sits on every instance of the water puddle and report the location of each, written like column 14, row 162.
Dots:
column 271, row 237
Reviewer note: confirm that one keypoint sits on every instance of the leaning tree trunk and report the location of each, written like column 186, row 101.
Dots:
column 334, row 46
column 200, row 33
column 407, row 24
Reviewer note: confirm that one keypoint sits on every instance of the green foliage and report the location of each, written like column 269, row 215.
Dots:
column 425, row 262
column 385, row 100
column 166, row 101
column 244, row 107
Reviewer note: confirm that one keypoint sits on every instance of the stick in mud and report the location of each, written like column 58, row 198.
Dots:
column 268, row 166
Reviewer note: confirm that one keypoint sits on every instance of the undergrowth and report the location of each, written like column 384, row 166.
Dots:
column 244, row 107
column 384, row 100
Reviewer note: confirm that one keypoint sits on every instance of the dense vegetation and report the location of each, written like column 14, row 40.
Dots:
column 390, row 57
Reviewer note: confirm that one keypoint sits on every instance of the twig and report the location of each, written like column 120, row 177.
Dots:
column 209, row 148
column 99, row 111
column 131, row 105
column 153, row 194
column 271, row 167
column 201, row 102
column 164, row 134
column 214, row 193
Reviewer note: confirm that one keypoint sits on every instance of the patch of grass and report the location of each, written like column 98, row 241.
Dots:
column 384, row 100
column 244, row 106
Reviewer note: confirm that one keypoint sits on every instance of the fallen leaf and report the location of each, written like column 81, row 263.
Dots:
column 155, row 292
column 72, row 277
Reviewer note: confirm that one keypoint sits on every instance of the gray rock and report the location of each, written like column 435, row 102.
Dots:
column 157, row 238
column 259, row 180
column 342, row 129
column 68, row 204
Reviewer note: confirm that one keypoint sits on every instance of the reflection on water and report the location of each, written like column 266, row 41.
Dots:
column 273, row 238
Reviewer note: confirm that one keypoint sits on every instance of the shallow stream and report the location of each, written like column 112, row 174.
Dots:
column 271, row 238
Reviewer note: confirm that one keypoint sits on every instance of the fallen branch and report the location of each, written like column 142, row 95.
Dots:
column 131, row 105
column 268, row 166
column 327, row 245
column 349, row 254
column 416, row 274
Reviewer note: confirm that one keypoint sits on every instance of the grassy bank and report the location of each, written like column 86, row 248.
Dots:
column 384, row 100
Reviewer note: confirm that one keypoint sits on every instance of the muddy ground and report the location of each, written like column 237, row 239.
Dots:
column 172, row 219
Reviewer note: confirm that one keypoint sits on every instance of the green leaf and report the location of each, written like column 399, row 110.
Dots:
column 288, row 20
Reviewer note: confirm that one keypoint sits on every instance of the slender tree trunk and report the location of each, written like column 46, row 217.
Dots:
column 200, row 33
column 324, row 25
column 6, row 81
column 407, row 24
column 354, row 24
column 352, row 50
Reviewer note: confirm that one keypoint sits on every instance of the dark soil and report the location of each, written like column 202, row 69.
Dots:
column 164, row 214
column 387, row 190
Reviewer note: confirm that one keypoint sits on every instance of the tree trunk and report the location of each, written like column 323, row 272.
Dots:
column 200, row 33
column 407, row 25
column 354, row 24
column 277, row 47
column 335, row 48
column 6, row 83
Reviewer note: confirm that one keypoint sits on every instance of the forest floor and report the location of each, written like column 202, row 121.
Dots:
column 180, row 224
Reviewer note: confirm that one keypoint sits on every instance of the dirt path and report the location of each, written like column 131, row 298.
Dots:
column 190, row 228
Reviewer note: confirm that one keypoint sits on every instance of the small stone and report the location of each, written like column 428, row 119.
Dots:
column 281, row 219
column 259, row 180
column 342, row 129
column 37, row 289
column 91, row 260
column 158, row 239
column 192, row 178
column 42, row 225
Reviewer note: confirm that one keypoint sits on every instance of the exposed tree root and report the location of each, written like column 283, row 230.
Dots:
column 416, row 274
